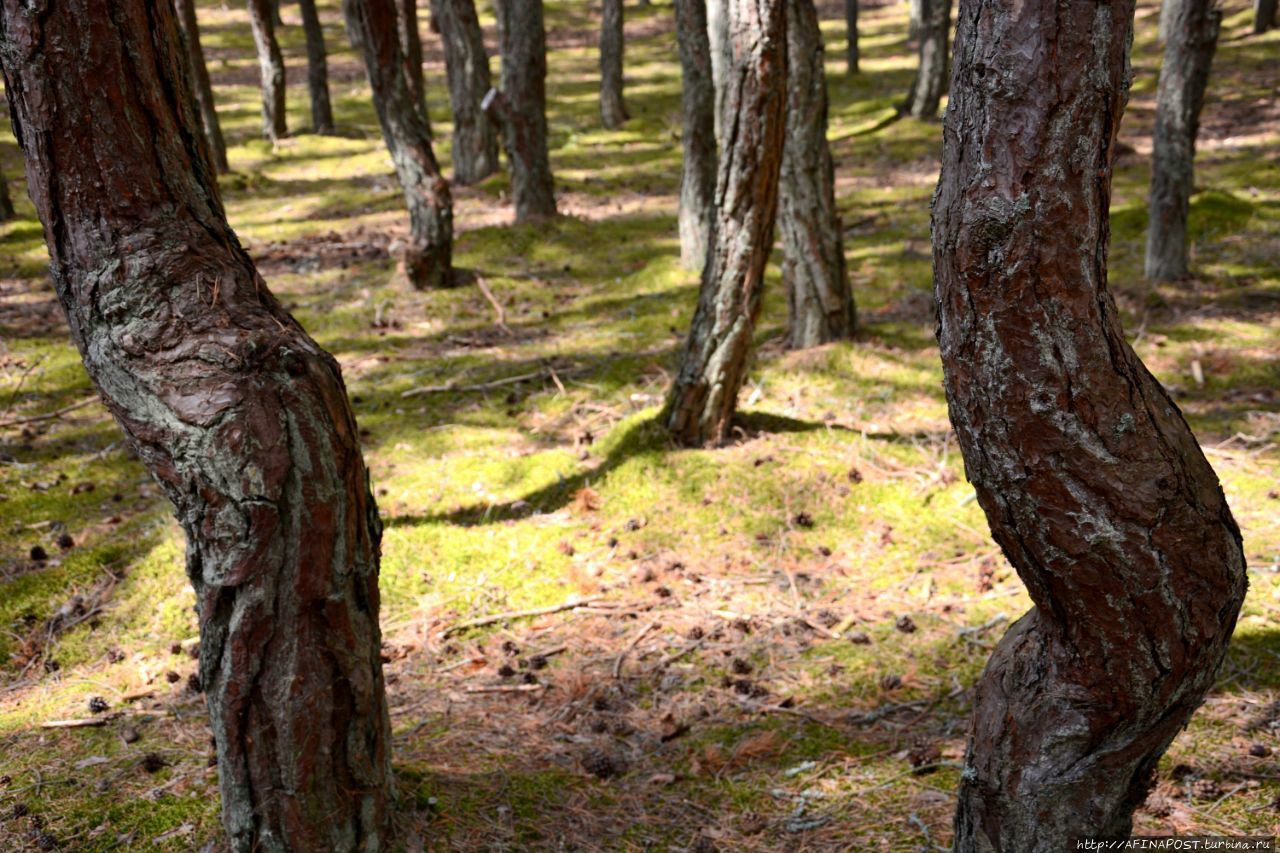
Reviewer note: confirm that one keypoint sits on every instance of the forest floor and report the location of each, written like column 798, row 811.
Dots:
column 767, row 646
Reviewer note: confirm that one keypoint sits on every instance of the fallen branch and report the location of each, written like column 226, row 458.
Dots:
column 501, row 321
column 506, row 688
column 74, row 724
column 519, row 614
column 635, row 641
column 479, row 386
column 47, row 416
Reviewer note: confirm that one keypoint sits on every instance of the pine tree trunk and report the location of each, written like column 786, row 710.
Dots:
column 274, row 123
column 238, row 414
column 915, row 18
column 1184, row 76
column 930, row 83
column 698, row 98
column 317, row 68
column 1091, row 481
column 1167, row 10
column 613, row 110
column 475, row 141
column 189, row 31
column 813, row 267
column 721, row 55
column 6, row 201
column 411, row 51
column 851, row 31
column 1264, row 16
column 276, row 20
column 704, row 397
column 428, row 257
column 521, row 106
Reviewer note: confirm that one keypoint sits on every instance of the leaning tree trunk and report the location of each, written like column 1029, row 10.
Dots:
column 274, row 124
column 613, row 110
column 930, row 83
column 721, row 55
column 703, row 399
column 698, row 98
column 238, row 414
column 428, row 257
column 189, row 30
column 1090, row 479
column 1184, row 75
column 6, row 201
column 813, row 268
column 1264, row 16
column 411, row 52
column 521, row 106
column 851, row 31
column 317, row 68
column 475, row 141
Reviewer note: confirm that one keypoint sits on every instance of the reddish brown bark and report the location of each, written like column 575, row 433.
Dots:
column 1092, row 483
column 428, row 257
column 238, row 414
column 704, row 396
column 262, row 17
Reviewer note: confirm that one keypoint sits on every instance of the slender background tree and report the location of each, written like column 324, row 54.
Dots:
column 475, row 140
column 275, row 125
column 238, row 414
column 1184, row 76
column 1093, row 484
column 317, row 68
column 189, row 30
column 613, row 109
column 698, row 101
column 930, row 82
column 1264, row 16
column 521, row 106
column 704, row 397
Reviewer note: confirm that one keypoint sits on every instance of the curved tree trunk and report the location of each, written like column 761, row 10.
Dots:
column 521, row 106
column 475, row 141
column 1092, row 483
column 1184, row 75
column 813, row 268
column 698, row 98
column 851, row 33
column 6, row 201
column 930, row 83
column 613, row 110
column 189, row 30
column 704, row 397
column 1264, row 16
column 428, row 257
column 721, row 55
column 317, row 68
column 239, row 415
column 411, row 51
column 274, row 123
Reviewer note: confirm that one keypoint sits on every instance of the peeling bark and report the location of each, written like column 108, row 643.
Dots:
column 428, row 257
column 189, row 30
column 813, row 267
column 851, row 36
column 261, row 19
column 613, row 109
column 238, row 414
column 1091, row 481
column 704, row 396
column 317, row 68
column 411, row 53
column 522, row 108
column 1184, row 76
column 930, row 82
column 698, row 99
column 475, row 140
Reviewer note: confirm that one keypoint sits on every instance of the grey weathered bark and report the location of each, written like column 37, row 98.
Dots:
column 1184, row 75
column 813, row 267
column 521, row 106
column 613, row 109
column 1091, row 481
column 238, row 414
column 428, row 256
column 274, row 122
column 317, row 68
column 698, row 99
column 851, row 55
column 411, row 53
column 721, row 55
column 915, row 18
column 1264, row 16
column 703, row 399
column 1167, row 9
column 475, row 140
column 6, row 201
column 930, row 82
column 189, row 30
